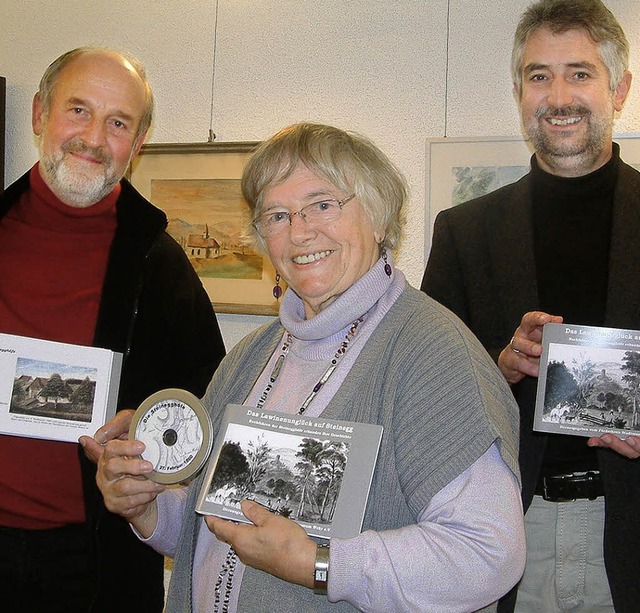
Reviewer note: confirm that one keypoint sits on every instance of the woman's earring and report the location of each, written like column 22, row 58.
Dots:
column 277, row 290
column 387, row 266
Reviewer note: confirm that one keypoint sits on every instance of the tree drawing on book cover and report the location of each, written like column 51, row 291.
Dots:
column 600, row 387
column 297, row 477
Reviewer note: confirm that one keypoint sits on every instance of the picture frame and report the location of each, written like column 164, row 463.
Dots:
column 198, row 186
column 459, row 169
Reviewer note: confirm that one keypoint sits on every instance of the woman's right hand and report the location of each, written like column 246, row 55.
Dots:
column 122, row 479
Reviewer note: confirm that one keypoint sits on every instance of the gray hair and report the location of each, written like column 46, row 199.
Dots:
column 559, row 16
column 347, row 160
column 50, row 77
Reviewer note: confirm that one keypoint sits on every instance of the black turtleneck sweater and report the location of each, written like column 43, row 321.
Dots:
column 572, row 236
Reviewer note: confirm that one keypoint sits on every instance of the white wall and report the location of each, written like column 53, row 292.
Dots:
column 375, row 66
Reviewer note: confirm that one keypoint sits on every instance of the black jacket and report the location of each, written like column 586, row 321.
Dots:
column 482, row 267
column 155, row 312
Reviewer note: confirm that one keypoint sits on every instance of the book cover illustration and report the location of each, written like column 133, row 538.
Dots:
column 589, row 381
column 55, row 391
column 314, row 471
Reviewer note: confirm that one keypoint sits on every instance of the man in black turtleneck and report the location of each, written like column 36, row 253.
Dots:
column 561, row 244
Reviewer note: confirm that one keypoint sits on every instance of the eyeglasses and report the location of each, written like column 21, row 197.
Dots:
column 315, row 214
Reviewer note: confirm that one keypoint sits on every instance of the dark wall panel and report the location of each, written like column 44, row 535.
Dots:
column 3, row 97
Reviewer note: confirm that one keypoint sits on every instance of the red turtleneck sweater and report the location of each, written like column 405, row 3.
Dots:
column 53, row 259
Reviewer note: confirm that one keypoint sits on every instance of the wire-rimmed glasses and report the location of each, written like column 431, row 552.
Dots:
column 315, row 214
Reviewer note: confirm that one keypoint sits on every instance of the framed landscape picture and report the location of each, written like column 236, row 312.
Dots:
column 460, row 169
column 198, row 187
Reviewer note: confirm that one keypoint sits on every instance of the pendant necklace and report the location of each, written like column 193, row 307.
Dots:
column 228, row 568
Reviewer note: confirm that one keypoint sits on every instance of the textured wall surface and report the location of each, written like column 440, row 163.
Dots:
column 375, row 66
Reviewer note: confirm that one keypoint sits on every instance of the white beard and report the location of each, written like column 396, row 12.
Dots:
column 72, row 185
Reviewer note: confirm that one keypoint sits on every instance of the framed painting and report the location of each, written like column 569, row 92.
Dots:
column 460, row 169
column 198, row 187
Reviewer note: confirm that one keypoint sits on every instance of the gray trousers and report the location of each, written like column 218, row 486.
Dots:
column 565, row 564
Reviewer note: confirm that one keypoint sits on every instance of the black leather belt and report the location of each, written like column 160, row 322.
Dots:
column 571, row 486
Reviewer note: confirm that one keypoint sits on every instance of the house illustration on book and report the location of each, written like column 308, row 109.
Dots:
column 31, row 385
column 202, row 245
column 33, row 391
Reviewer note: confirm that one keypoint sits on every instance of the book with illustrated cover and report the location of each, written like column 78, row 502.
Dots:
column 589, row 381
column 314, row 471
column 55, row 391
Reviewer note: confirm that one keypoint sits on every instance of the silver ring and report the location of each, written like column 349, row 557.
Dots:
column 512, row 347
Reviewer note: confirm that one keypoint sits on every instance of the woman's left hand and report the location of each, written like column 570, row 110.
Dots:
column 273, row 543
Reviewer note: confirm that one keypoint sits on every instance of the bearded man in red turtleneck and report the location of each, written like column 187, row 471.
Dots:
column 85, row 259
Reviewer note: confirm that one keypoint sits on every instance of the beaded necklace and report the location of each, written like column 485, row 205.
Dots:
column 273, row 377
column 229, row 566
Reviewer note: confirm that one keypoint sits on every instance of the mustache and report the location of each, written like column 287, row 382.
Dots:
column 76, row 145
column 565, row 111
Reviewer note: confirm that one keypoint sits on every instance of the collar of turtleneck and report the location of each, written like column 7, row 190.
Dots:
column 343, row 311
column 593, row 185
column 46, row 210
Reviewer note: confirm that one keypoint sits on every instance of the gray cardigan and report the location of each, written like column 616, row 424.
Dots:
column 427, row 381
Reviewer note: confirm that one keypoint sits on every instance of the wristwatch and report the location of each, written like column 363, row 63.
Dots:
column 321, row 569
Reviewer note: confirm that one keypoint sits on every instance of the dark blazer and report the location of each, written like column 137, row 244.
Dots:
column 481, row 266
column 155, row 311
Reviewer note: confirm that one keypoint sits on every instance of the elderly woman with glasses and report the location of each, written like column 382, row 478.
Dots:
column 443, row 527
